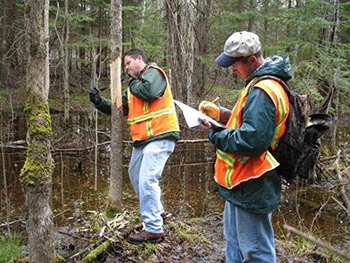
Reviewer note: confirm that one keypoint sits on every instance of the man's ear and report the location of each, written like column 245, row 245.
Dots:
column 140, row 58
column 252, row 59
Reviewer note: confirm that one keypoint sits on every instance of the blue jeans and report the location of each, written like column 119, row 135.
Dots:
column 249, row 236
column 145, row 168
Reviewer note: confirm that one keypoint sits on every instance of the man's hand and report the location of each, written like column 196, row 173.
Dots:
column 131, row 79
column 132, row 76
column 95, row 97
column 205, row 124
column 210, row 109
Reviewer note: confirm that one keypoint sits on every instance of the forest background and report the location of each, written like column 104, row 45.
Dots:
column 183, row 37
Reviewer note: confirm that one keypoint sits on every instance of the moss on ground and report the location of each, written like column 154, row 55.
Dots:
column 10, row 248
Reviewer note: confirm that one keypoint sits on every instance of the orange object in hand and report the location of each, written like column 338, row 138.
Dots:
column 210, row 109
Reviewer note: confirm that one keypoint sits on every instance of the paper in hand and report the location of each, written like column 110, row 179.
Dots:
column 194, row 117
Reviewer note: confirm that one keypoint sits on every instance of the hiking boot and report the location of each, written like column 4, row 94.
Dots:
column 144, row 236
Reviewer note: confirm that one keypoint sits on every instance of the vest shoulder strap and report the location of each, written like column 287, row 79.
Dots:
column 285, row 86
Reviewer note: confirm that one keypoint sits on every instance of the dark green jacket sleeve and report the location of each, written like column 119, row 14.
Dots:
column 150, row 86
column 257, row 129
column 105, row 105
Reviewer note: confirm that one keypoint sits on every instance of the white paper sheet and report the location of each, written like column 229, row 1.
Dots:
column 193, row 116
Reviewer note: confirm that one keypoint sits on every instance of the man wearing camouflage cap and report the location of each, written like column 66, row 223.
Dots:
column 244, row 167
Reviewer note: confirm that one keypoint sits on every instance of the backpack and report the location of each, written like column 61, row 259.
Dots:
column 298, row 149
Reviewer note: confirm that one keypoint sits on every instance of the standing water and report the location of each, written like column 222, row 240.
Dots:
column 187, row 182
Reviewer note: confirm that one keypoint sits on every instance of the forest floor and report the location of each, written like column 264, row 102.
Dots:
column 96, row 239
column 197, row 240
column 93, row 238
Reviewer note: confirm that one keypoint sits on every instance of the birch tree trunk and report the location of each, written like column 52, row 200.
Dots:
column 36, row 174
column 115, row 193
column 93, row 83
column 66, row 62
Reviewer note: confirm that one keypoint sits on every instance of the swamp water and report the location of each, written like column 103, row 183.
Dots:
column 187, row 182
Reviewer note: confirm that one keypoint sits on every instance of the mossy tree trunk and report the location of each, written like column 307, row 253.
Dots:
column 116, row 181
column 36, row 174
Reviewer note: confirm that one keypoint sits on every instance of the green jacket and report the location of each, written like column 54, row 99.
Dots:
column 148, row 86
column 260, row 195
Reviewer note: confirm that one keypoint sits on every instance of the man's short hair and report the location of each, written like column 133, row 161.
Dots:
column 245, row 59
column 135, row 52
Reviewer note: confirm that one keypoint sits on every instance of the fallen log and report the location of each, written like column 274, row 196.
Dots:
column 96, row 252
column 317, row 242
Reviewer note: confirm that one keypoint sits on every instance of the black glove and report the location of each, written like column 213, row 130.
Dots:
column 95, row 97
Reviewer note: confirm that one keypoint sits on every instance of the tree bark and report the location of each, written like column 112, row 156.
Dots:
column 93, row 83
column 66, row 62
column 36, row 174
column 7, row 199
column 181, row 38
column 201, row 45
column 330, row 36
column 336, row 105
column 115, row 193
column 298, row 5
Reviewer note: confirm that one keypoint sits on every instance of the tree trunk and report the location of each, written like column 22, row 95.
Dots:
column 298, row 5
column 93, row 83
column 201, row 45
column 143, row 13
column 160, row 5
column 36, row 174
column 336, row 105
column 181, row 40
column 6, row 195
column 330, row 36
column 116, row 182
column 266, row 8
column 93, row 74
column 251, row 19
column 66, row 62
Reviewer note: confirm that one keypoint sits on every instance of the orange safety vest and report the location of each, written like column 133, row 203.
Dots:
column 148, row 119
column 232, row 169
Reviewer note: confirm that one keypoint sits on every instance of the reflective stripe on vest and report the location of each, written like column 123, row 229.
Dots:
column 232, row 169
column 280, row 99
column 148, row 119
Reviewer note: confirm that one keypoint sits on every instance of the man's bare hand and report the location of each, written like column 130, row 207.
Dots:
column 205, row 124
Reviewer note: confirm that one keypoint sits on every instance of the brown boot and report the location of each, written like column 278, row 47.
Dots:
column 144, row 236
